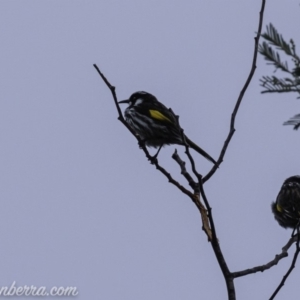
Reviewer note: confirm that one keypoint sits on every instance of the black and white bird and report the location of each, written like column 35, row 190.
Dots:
column 155, row 124
column 286, row 208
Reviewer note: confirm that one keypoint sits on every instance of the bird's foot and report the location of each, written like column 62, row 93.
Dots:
column 153, row 159
column 141, row 144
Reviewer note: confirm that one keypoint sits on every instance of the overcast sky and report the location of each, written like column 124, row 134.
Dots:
column 81, row 205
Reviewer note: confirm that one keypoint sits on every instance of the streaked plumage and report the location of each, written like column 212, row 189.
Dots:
column 286, row 208
column 154, row 123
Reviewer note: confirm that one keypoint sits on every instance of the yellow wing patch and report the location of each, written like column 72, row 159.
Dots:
column 155, row 114
column 278, row 207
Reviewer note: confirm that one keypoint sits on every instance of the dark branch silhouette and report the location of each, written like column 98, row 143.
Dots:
column 272, row 263
column 184, row 172
column 217, row 250
column 240, row 98
column 290, row 268
column 197, row 201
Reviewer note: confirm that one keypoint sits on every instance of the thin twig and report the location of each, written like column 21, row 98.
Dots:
column 290, row 268
column 190, row 157
column 184, row 172
column 113, row 91
column 279, row 91
column 270, row 264
column 197, row 201
column 240, row 98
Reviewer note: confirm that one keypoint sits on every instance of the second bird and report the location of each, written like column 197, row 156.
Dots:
column 286, row 208
column 155, row 124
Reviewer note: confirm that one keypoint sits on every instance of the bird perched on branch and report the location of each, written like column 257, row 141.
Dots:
column 155, row 124
column 286, row 208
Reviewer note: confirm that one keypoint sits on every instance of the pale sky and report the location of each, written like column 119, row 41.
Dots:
column 81, row 205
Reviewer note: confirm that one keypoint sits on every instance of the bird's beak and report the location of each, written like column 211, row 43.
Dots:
column 124, row 101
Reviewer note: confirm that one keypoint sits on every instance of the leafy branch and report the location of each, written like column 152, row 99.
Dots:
column 274, row 84
column 273, row 57
column 294, row 121
column 270, row 48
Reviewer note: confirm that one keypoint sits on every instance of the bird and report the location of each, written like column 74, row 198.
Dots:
column 155, row 124
column 286, row 208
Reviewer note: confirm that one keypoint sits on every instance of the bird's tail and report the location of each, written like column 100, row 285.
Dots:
column 199, row 150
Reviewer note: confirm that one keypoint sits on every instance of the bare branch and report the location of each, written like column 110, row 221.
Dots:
column 215, row 244
column 270, row 264
column 217, row 250
column 240, row 98
column 184, row 172
column 113, row 91
column 290, row 268
column 197, row 201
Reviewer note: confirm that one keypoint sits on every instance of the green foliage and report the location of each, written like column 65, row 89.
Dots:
column 271, row 48
column 294, row 121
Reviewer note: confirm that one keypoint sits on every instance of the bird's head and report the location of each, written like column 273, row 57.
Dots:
column 138, row 98
column 292, row 181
